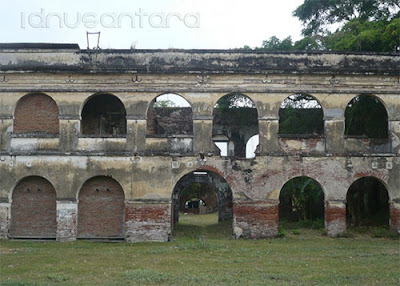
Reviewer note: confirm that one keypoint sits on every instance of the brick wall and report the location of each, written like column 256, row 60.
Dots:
column 36, row 113
column 101, row 209
column 335, row 218
column 395, row 216
column 255, row 219
column 33, row 209
column 148, row 221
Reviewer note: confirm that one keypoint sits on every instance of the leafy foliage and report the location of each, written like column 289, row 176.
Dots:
column 364, row 25
column 164, row 103
column 301, row 198
column 234, row 101
column 317, row 15
column 301, row 114
column 374, row 36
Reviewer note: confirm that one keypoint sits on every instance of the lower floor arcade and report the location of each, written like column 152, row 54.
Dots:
column 115, row 205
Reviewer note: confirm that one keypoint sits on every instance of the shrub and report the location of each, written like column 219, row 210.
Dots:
column 282, row 232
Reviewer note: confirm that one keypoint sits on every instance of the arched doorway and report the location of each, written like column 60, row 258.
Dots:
column 205, row 186
column 101, row 209
column 301, row 200
column 33, row 209
column 367, row 203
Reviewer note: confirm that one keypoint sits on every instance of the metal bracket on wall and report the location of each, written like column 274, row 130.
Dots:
column 3, row 78
column 69, row 79
column 136, row 79
column 203, row 79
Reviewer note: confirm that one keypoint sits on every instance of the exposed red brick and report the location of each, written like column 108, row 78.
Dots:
column 334, row 213
column 101, row 209
column 335, row 218
column 147, row 213
column 395, row 217
column 33, row 209
column 148, row 221
column 257, row 219
column 36, row 113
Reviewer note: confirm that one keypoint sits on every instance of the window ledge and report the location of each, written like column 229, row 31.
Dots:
column 105, row 136
column 301, row 136
column 170, row 136
column 34, row 135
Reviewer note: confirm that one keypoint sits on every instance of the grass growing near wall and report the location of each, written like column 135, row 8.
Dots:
column 301, row 258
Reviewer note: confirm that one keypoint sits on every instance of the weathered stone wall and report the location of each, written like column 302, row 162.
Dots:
column 147, row 169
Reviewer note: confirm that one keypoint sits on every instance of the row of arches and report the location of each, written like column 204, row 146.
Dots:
column 303, row 199
column 171, row 114
column 101, row 204
column 101, row 209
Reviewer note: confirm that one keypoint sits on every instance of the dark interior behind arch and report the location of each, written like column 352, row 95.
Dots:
column 215, row 183
column 366, row 116
column 103, row 114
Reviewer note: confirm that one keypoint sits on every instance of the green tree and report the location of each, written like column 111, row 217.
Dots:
column 364, row 25
column 164, row 103
column 318, row 15
column 305, row 197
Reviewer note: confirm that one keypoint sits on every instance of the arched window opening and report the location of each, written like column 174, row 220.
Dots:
column 367, row 203
column 104, row 115
column 169, row 114
column 251, row 146
column 202, row 200
column 36, row 114
column 236, row 120
column 301, row 202
column 301, row 114
column 33, row 209
column 366, row 117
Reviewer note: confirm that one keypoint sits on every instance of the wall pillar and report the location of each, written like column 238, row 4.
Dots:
column 395, row 216
column 147, row 221
column 69, row 129
column 394, row 133
column 255, row 219
column 335, row 217
column 4, row 219
column 202, row 135
column 268, row 131
column 6, row 125
column 136, row 135
column 67, row 220
column 334, row 130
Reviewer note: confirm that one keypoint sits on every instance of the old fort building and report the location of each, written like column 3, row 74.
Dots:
column 88, row 151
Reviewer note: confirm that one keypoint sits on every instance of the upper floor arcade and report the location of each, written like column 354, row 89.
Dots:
column 59, row 99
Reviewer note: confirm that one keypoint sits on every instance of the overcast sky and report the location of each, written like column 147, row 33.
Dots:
column 218, row 24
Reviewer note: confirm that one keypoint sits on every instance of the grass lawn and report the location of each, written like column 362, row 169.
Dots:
column 302, row 257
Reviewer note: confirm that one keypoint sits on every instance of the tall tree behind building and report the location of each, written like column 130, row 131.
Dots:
column 362, row 25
